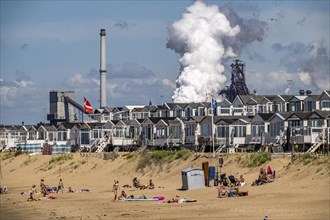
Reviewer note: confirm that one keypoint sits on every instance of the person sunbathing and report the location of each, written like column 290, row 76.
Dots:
column 222, row 190
column 151, row 184
column 123, row 195
column 262, row 178
column 174, row 199
column 136, row 183
column 241, row 180
column 70, row 190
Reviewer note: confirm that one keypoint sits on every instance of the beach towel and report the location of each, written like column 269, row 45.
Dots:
column 138, row 199
column 159, row 197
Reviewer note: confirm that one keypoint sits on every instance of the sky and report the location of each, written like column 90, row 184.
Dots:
column 55, row 45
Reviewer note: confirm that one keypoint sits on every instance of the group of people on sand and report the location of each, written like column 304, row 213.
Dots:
column 265, row 176
column 229, row 186
column 136, row 184
column 44, row 189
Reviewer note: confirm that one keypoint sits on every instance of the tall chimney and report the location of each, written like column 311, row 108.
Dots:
column 103, row 71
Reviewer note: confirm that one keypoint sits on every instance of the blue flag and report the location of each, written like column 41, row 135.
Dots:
column 214, row 104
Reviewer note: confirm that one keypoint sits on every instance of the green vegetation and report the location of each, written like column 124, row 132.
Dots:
column 255, row 159
column 312, row 158
column 9, row 155
column 61, row 158
column 28, row 161
column 130, row 156
column 160, row 157
column 19, row 152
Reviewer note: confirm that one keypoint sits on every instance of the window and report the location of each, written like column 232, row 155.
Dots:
column 239, row 131
column 84, row 137
column 188, row 112
column 178, row 113
column 225, row 111
column 295, row 123
column 206, row 129
column 315, row 123
column 223, row 130
column 257, row 129
column 310, row 105
column 325, row 104
column 201, row 111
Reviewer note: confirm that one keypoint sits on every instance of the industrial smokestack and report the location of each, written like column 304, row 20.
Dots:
column 103, row 71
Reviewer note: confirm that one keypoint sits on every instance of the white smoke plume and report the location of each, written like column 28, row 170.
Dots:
column 198, row 38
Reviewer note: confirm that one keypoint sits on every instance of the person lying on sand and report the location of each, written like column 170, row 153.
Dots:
column 123, row 195
column 70, row 190
column 174, row 199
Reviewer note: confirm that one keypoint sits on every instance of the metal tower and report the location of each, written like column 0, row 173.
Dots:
column 238, row 85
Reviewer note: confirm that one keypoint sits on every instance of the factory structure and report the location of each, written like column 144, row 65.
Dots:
column 240, row 122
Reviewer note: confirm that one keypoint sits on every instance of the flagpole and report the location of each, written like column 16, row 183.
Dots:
column 212, row 106
column 213, row 132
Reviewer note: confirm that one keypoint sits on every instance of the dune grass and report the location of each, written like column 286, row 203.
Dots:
column 8, row 155
column 254, row 159
column 60, row 158
column 160, row 157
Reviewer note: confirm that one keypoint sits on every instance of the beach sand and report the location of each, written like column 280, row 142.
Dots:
column 298, row 192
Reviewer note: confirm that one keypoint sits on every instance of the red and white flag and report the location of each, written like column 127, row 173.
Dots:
column 87, row 106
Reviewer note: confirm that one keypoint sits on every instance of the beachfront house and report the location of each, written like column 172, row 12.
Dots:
column 224, row 108
column 260, row 128
column 177, row 131
column 324, row 100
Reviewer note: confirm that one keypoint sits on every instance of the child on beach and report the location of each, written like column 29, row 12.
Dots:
column 32, row 191
column 115, row 189
column 60, row 186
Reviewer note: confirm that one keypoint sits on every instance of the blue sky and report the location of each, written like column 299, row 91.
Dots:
column 54, row 45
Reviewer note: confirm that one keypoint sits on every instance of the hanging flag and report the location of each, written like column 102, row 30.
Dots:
column 87, row 106
column 214, row 106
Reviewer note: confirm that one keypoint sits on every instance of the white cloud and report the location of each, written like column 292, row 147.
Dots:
column 279, row 82
column 305, row 78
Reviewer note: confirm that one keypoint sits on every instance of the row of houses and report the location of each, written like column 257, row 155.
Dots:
column 242, row 105
column 224, row 133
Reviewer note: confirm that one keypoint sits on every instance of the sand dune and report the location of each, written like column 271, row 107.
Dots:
column 299, row 191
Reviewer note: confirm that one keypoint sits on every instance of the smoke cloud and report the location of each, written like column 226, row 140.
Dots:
column 252, row 29
column 204, row 38
column 197, row 37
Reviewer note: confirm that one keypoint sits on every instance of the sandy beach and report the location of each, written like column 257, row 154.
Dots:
column 300, row 190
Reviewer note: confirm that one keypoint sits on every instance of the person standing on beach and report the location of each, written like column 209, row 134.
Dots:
column 43, row 187
column 115, row 189
column 32, row 191
column 60, row 186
